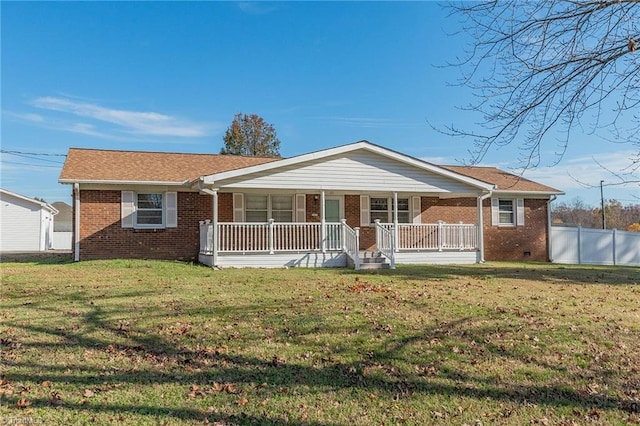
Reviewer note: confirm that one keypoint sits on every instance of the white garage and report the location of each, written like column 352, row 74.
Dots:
column 26, row 224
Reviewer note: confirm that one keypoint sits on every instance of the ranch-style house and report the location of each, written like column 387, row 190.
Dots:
column 357, row 205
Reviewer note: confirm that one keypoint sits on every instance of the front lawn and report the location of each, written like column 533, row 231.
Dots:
column 142, row 342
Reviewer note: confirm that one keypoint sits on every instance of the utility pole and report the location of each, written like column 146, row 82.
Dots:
column 604, row 221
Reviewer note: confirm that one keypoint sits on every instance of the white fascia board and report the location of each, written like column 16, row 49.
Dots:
column 123, row 182
column 210, row 179
column 526, row 194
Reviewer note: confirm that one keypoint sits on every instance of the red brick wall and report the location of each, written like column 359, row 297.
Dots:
column 528, row 242
column 102, row 236
column 225, row 207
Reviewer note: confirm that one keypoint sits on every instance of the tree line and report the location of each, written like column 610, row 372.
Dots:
column 616, row 215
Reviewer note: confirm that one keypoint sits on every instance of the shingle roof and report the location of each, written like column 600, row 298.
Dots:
column 138, row 166
column 503, row 181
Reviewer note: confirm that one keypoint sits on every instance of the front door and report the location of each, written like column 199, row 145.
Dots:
column 332, row 218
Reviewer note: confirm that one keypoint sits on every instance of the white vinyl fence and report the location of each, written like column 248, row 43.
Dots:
column 61, row 240
column 594, row 246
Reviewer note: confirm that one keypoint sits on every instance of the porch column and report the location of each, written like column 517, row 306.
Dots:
column 76, row 224
column 323, row 223
column 395, row 222
column 214, row 233
column 481, row 226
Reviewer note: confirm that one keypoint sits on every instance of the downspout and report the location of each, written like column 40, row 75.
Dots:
column 481, row 199
column 76, row 225
column 549, row 251
column 214, row 243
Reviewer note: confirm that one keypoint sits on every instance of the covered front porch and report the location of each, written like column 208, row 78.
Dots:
column 330, row 244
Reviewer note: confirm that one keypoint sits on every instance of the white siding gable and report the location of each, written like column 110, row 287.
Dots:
column 353, row 171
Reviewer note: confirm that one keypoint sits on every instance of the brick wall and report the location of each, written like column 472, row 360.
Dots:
column 102, row 236
column 528, row 242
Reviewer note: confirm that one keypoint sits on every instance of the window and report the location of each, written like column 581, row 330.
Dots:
column 506, row 212
column 382, row 208
column 282, row 208
column 261, row 208
column 149, row 211
column 257, row 208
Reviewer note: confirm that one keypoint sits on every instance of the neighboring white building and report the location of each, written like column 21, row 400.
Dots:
column 25, row 224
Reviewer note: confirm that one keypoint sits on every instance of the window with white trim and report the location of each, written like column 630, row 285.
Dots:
column 261, row 208
column 152, row 210
column 382, row 208
column 506, row 212
column 149, row 210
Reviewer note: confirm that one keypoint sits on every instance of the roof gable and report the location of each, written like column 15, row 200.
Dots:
column 345, row 151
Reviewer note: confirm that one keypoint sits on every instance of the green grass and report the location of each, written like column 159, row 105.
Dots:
column 137, row 342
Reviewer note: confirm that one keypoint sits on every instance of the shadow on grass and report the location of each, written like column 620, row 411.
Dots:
column 543, row 272
column 202, row 366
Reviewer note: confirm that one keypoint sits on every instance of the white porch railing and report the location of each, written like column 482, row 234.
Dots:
column 351, row 243
column 386, row 242
column 272, row 237
column 435, row 236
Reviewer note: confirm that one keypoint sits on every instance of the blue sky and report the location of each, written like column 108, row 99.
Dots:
column 169, row 76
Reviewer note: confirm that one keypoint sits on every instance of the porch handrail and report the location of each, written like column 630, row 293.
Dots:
column 272, row 237
column 351, row 243
column 206, row 237
column 386, row 242
column 435, row 236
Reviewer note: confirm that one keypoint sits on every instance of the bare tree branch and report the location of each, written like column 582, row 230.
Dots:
column 542, row 69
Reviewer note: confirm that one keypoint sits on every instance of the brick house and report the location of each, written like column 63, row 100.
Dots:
column 341, row 206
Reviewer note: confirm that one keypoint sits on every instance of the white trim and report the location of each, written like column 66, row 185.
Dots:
column 124, row 182
column 76, row 225
column 533, row 194
column 362, row 145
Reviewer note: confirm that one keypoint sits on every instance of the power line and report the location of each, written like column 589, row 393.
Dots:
column 4, row 151
column 30, row 165
column 31, row 156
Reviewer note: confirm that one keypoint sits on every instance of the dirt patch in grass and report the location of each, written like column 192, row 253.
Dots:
column 136, row 342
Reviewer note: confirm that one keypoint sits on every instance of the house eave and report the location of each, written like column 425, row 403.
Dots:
column 122, row 182
column 531, row 193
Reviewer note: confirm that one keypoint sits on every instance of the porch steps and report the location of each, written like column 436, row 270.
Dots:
column 373, row 260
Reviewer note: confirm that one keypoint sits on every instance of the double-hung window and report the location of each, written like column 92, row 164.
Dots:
column 383, row 207
column 153, row 210
column 507, row 212
column 149, row 210
column 261, row 208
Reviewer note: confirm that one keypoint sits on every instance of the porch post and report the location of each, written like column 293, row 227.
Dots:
column 480, row 229
column 395, row 222
column 214, row 230
column 76, row 224
column 323, row 223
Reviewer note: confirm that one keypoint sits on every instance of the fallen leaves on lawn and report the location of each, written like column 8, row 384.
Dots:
column 197, row 390
column 366, row 286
